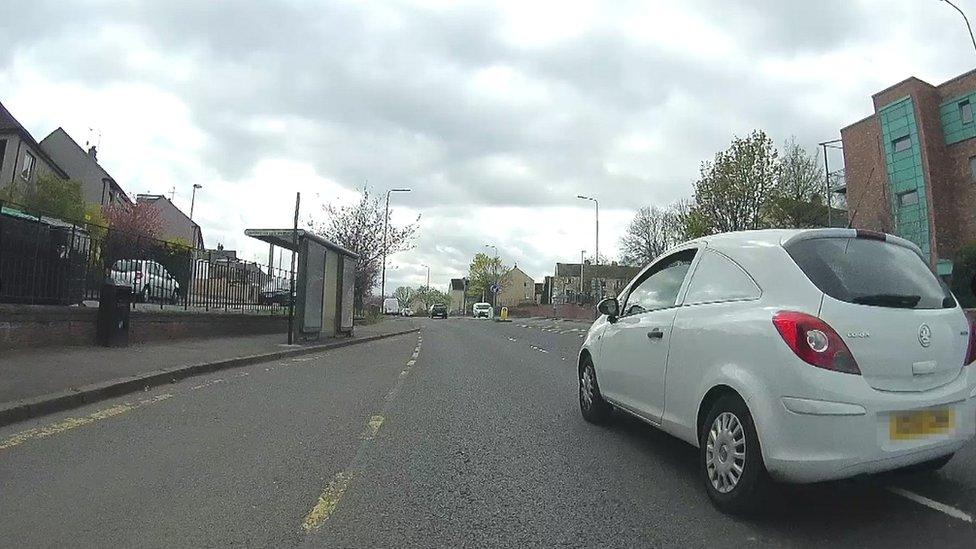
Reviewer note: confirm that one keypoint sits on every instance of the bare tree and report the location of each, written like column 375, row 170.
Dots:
column 798, row 200
column 647, row 236
column 359, row 228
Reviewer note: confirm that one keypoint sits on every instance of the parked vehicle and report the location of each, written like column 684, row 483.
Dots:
column 438, row 310
column 483, row 310
column 406, row 311
column 276, row 292
column 148, row 279
column 391, row 306
column 796, row 356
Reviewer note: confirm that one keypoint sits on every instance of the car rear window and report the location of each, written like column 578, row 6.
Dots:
column 870, row 272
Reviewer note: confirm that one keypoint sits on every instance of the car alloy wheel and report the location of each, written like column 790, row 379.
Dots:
column 725, row 452
column 586, row 387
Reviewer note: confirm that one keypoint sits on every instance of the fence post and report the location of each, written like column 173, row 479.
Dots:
column 206, row 292
column 37, row 244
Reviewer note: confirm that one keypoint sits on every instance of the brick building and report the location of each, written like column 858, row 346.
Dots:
column 911, row 166
column 599, row 281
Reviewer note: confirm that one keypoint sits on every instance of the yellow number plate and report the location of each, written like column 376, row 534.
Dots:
column 920, row 424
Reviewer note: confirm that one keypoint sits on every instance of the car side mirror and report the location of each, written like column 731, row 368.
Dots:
column 609, row 307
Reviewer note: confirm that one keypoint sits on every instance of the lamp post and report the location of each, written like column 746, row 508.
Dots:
column 193, row 198
column 494, row 273
column 386, row 221
column 966, row 19
column 597, row 202
column 582, row 255
column 428, row 276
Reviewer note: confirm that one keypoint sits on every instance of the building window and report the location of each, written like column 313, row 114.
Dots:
column 909, row 198
column 966, row 111
column 902, row 143
column 28, row 168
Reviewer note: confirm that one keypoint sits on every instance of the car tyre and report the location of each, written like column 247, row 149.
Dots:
column 730, row 458
column 594, row 408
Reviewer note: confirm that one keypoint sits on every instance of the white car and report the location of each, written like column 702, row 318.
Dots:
column 148, row 279
column 796, row 356
column 482, row 310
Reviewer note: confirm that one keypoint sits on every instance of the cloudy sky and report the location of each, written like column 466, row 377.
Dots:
column 496, row 114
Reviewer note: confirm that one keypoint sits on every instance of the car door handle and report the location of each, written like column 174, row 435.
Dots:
column 655, row 334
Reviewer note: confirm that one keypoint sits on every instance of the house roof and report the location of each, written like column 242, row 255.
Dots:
column 59, row 135
column 9, row 124
column 158, row 198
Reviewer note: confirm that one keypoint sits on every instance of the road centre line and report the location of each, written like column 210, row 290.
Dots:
column 932, row 504
column 75, row 422
column 332, row 495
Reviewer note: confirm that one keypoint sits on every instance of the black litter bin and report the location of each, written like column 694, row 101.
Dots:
column 113, row 315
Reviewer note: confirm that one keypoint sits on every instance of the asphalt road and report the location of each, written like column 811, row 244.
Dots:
column 476, row 441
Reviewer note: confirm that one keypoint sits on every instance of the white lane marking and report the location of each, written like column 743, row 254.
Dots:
column 411, row 362
column 932, row 504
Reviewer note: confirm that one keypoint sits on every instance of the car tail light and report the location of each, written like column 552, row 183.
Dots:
column 971, row 352
column 815, row 342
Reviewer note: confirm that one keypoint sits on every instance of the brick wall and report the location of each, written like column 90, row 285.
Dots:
column 866, row 175
column 25, row 326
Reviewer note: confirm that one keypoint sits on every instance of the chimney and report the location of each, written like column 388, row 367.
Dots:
column 92, row 152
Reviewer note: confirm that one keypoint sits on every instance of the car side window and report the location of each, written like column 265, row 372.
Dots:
column 659, row 289
column 718, row 278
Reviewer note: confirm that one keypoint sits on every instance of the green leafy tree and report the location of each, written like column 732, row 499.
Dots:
column 734, row 190
column 51, row 196
column 404, row 295
column 484, row 271
column 430, row 296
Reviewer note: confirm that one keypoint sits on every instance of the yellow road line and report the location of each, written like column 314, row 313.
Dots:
column 372, row 427
column 328, row 501
column 75, row 422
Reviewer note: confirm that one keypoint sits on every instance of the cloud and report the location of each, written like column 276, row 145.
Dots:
column 496, row 114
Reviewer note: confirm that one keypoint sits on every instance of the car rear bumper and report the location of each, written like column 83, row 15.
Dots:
column 811, row 440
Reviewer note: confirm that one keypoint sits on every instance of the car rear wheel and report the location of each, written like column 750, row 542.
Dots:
column 731, row 460
column 592, row 405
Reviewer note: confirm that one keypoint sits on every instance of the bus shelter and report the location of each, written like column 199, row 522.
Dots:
column 325, row 279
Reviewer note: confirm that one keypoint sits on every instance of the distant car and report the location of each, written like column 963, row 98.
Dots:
column 406, row 311
column 276, row 293
column 799, row 356
column 483, row 310
column 148, row 279
column 438, row 310
column 391, row 306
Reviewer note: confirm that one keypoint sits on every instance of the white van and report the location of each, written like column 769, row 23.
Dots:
column 391, row 306
column 483, row 310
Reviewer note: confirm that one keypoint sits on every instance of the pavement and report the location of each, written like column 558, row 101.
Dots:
column 31, row 374
column 466, row 434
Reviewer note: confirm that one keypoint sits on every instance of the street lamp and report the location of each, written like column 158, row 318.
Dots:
column 428, row 277
column 193, row 198
column 582, row 255
column 966, row 19
column 494, row 272
column 386, row 221
column 597, row 202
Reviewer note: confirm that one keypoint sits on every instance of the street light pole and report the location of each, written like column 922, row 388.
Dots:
column 193, row 198
column 597, row 202
column 582, row 255
column 386, row 221
column 494, row 273
column 966, row 19
column 428, row 277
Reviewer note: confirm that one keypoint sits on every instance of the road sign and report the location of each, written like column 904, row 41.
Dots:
column 494, row 288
